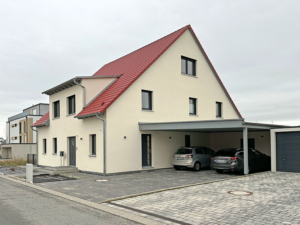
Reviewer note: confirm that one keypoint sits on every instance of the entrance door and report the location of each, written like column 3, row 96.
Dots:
column 72, row 150
column 146, row 150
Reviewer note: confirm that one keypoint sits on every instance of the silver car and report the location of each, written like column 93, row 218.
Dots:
column 195, row 157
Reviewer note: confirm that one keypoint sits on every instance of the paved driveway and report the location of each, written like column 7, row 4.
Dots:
column 129, row 184
column 275, row 200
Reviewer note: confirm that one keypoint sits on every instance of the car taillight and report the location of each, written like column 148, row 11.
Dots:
column 212, row 158
column 189, row 156
column 233, row 158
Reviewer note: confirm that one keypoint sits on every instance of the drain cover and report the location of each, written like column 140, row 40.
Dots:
column 240, row 193
column 101, row 180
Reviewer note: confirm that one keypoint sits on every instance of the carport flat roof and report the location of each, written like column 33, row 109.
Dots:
column 234, row 125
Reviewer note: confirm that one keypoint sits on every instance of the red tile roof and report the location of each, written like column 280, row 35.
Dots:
column 42, row 120
column 132, row 66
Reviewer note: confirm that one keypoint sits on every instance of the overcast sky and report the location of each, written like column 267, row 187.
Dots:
column 254, row 46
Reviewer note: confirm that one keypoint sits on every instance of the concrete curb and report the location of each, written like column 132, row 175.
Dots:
column 101, row 207
column 179, row 187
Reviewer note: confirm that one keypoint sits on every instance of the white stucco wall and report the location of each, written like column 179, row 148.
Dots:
column 94, row 86
column 232, row 139
column 171, row 92
column 68, row 126
column 14, row 131
column 273, row 144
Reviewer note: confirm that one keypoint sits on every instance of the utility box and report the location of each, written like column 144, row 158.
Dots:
column 29, row 172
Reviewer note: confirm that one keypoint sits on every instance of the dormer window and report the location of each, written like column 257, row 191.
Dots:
column 188, row 66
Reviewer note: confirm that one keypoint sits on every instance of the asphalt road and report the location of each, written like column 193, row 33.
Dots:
column 23, row 205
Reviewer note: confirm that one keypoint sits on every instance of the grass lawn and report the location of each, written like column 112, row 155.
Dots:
column 12, row 162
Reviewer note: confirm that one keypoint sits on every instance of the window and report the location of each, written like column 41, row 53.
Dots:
column 56, row 109
column 45, row 146
column 209, row 151
column 188, row 66
column 218, row 109
column 192, row 108
column 55, row 145
column 258, row 153
column 20, row 139
column 147, row 100
column 71, row 104
column 183, row 151
column 34, row 112
column 199, row 151
column 93, row 144
column 20, row 128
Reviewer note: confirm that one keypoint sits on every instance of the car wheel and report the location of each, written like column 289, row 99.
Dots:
column 176, row 168
column 219, row 171
column 197, row 166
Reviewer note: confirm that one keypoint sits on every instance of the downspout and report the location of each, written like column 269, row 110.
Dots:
column 83, row 91
column 104, row 149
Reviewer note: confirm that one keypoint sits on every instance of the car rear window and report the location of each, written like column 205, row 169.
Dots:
column 226, row 152
column 183, row 151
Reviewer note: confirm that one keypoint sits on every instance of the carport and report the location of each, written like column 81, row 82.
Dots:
column 213, row 126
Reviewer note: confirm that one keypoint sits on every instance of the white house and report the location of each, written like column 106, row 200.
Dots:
column 136, row 111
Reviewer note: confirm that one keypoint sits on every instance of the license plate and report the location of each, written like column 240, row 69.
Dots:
column 179, row 158
column 220, row 161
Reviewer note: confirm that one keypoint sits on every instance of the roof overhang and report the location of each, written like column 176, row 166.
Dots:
column 88, row 115
column 235, row 125
column 45, row 124
column 70, row 83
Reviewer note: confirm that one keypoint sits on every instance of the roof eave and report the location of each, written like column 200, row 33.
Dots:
column 45, row 124
column 70, row 83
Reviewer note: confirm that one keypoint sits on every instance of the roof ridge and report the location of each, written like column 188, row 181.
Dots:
column 187, row 26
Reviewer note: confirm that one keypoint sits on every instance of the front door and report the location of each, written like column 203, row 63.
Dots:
column 146, row 150
column 72, row 150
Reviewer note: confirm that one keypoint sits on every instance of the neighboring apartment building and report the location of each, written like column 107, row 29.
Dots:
column 153, row 100
column 19, row 131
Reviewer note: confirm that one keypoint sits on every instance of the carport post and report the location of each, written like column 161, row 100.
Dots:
column 245, row 140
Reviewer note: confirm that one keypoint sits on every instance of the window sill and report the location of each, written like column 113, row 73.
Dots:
column 54, row 153
column 193, row 115
column 44, row 153
column 219, row 118
column 194, row 76
column 92, row 155
column 72, row 114
column 55, row 118
column 147, row 110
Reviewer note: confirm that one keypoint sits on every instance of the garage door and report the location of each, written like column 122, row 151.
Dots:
column 288, row 151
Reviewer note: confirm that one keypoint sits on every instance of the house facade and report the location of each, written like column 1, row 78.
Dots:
column 20, row 137
column 136, row 111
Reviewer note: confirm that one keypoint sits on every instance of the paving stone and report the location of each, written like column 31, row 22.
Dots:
column 129, row 184
column 275, row 200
